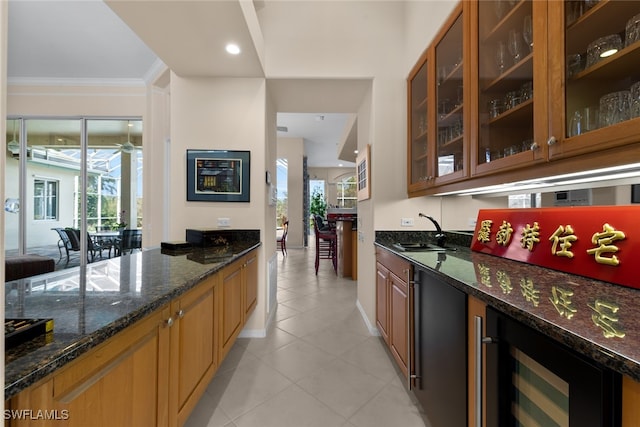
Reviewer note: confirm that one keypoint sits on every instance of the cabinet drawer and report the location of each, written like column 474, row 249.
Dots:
column 393, row 263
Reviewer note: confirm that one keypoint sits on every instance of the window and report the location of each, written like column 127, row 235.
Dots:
column 45, row 199
column 347, row 196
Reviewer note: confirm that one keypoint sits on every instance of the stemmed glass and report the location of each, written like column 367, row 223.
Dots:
column 514, row 46
column 527, row 32
column 501, row 56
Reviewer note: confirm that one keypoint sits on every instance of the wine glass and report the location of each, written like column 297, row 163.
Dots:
column 527, row 32
column 514, row 46
column 501, row 56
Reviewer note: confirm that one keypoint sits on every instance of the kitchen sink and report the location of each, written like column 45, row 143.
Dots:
column 419, row 247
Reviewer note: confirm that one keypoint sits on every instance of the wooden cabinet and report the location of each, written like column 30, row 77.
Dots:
column 533, row 96
column 154, row 372
column 239, row 296
column 437, row 122
column 382, row 301
column 122, row 382
column 194, row 344
column 630, row 402
column 393, row 306
column 509, row 79
column 581, row 119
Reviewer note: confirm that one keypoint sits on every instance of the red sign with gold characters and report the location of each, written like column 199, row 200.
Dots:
column 601, row 242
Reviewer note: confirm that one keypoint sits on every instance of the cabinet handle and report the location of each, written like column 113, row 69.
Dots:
column 180, row 313
column 534, row 146
column 552, row 140
column 410, row 287
column 169, row 322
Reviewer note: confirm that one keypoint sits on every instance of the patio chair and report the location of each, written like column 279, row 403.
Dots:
column 65, row 242
column 129, row 241
column 93, row 248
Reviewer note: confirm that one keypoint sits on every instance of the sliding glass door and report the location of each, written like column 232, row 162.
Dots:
column 80, row 173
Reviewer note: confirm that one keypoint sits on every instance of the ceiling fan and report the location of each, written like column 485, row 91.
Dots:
column 127, row 147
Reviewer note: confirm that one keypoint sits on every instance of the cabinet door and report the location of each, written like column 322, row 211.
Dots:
column 476, row 378
column 251, row 283
column 420, row 128
column 122, row 382
column 398, row 336
column 193, row 346
column 451, row 149
column 232, row 307
column 593, row 107
column 382, row 301
column 510, row 61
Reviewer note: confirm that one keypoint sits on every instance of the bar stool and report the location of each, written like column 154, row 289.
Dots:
column 325, row 247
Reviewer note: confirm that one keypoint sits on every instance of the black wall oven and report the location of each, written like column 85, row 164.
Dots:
column 533, row 380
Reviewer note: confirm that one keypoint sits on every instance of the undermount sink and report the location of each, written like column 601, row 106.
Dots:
column 419, row 247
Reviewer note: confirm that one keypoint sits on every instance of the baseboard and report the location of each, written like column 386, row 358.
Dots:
column 372, row 328
column 253, row 333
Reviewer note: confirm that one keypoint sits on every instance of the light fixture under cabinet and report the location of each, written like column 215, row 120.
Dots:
column 615, row 175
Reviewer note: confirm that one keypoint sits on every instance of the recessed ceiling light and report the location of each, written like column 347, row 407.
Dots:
column 340, row 164
column 233, row 49
column 355, row 151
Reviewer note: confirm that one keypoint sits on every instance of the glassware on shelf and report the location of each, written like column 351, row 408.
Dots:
column 496, row 107
column 500, row 6
column 501, row 56
column 527, row 32
column 635, row 100
column 575, row 9
column 576, row 126
column 443, row 108
column 515, row 47
column 603, row 48
column 526, row 91
column 590, row 118
column 512, row 99
column 615, row 108
column 574, row 64
column 632, row 32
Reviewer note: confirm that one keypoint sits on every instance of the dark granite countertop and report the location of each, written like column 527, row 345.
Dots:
column 595, row 318
column 92, row 304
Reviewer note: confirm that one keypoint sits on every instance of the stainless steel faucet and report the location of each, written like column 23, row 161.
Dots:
column 441, row 238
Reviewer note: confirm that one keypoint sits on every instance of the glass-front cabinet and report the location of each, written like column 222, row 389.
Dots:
column 510, row 70
column 595, row 53
column 420, row 175
column 450, row 153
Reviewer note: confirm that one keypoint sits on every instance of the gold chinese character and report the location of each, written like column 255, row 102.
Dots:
column 530, row 236
column 564, row 236
column 529, row 292
column 484, row 234
column 605, row 318
column 485, row 275
column 504, row 281
column 503, row 236
column 561, row 300
column 604, row 241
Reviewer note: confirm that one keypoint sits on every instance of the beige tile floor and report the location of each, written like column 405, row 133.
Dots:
column 318, row 365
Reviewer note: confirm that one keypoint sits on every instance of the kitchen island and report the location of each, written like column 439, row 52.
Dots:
column 154, row 322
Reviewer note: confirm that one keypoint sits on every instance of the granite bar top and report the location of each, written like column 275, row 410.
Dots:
column 594, row 318
column 91, row 304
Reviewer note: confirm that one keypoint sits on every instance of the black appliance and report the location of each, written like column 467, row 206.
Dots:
column 532, row 379
column 440, row 350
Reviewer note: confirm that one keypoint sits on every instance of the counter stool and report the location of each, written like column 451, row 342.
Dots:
column 326, row 247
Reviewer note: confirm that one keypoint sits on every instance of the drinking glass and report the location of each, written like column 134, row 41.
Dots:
column 526, row 91
column 496, row 107
column 632, row 33
column 575, row 127
column 500, row 8
column 527, row 32
column 501, row 56
column 602, row 48
column 514, row 46
column 635, row 100
column 574, row 64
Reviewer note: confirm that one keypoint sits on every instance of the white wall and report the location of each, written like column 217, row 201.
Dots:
column 220, row 114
